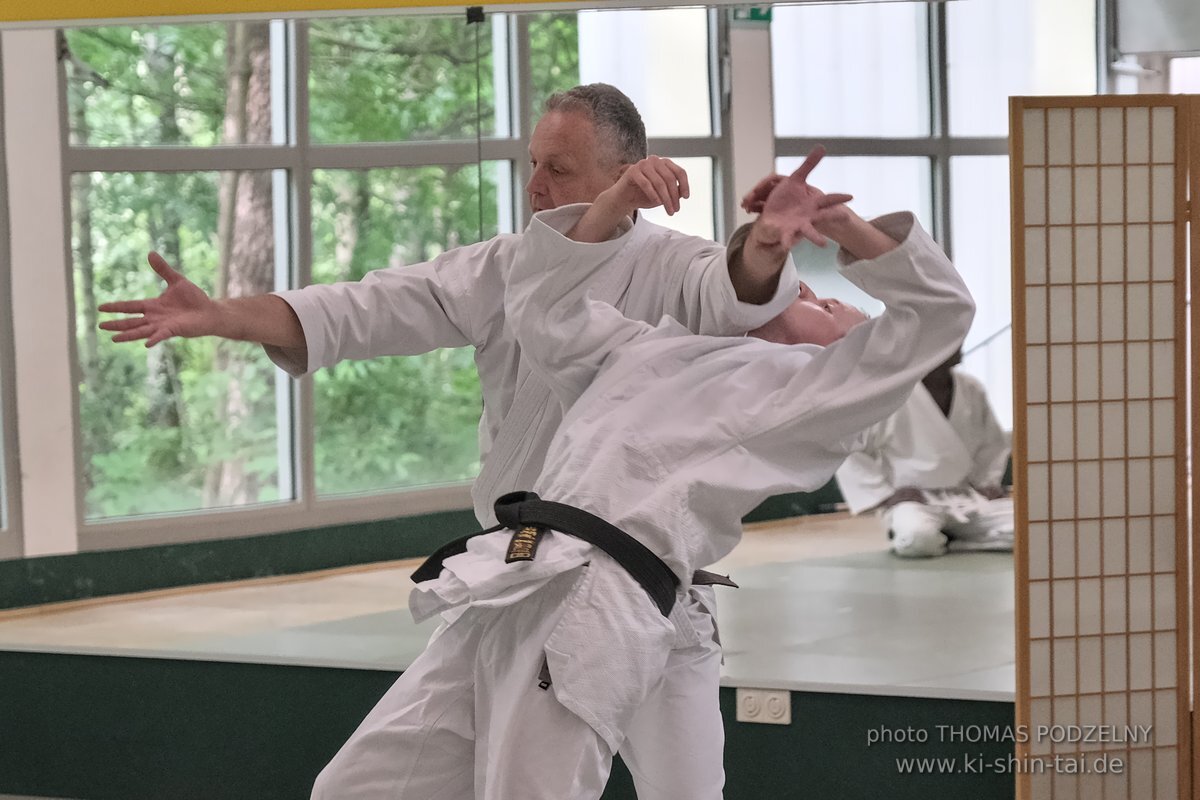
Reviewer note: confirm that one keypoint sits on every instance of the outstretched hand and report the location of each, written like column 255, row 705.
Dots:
column 183, row 309
column 790, row 209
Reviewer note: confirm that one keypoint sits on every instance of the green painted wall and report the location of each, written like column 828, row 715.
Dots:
column 52, row 579
column 108, row 728
column 49, row 579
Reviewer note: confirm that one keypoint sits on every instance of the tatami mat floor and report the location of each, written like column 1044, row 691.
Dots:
column 822, row 607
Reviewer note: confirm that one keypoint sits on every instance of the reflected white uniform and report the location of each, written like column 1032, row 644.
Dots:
column 946, row 456
column 457, row 299
column 673, row 438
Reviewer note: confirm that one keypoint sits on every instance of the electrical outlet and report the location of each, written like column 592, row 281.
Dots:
column 771, row 706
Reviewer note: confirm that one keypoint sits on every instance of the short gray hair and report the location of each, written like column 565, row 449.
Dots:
column 618, row 124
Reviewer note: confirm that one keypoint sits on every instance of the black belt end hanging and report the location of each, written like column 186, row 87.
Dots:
column 524, row 543
column 529, row 516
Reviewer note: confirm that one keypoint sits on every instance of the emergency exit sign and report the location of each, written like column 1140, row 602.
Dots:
column 752, row 14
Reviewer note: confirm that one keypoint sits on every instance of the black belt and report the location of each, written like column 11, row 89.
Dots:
column 523, row 510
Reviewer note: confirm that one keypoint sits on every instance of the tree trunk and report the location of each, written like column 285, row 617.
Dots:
column 165, row 401
column 85, row 255
column 246, row 242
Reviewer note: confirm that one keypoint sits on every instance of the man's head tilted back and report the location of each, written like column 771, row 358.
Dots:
column 585, row 138
column 811, row 320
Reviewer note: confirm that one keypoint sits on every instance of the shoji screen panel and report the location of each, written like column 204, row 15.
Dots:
column 1099, row 227
column 1193, row 114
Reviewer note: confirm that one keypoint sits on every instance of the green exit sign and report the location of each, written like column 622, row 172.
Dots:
column 752, row 14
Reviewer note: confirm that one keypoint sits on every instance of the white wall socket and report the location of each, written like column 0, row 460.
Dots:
column 772, row 706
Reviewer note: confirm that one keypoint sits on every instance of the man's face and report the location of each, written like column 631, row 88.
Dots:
column 569, row 164
column 810, row 320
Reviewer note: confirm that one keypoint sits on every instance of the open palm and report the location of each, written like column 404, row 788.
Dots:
column 791, row 209
column 183, row 309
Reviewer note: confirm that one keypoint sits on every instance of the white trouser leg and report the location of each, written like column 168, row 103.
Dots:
column 916, row 530
column 467, row 719
column 674, row 747
column 989, row 527
column 418, row 741
column 529, row 745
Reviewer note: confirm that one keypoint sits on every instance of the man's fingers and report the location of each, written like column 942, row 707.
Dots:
column 670, row 184
column 654, row 188
column 160, row 335
column 160, row 265
column 124, row 307
column 807, row 231
column 643, row 184
column 140, row 332
column 126, row 324
column 814, row 157
column 681, row 178
column 666, row 183
column 834, row 200
column 754, row 199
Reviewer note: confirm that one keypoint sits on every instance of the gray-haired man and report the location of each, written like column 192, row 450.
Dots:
column 590, row 139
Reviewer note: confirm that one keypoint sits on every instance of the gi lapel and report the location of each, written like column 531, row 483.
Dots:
column 524, row 435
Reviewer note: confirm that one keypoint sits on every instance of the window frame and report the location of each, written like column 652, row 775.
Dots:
column 939, row 146
column 11, row 544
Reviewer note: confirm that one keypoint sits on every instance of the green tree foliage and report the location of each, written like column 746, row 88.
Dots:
column 395, row 421
column 403, row 79
column 162, row 427
column 553, row 56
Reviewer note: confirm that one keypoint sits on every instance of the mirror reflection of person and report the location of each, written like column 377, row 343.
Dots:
column 933, row 470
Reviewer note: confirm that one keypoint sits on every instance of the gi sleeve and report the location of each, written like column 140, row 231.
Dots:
column 989, row 456
column 701, row 295
column 394, row 311
column 564, row 333
column 863, row 478
column 831, row 396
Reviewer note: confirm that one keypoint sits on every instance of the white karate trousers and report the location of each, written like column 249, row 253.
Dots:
column 468, row 721
column 950, row 523
column 675, row 746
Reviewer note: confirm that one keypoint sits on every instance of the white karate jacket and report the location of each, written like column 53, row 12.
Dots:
column 457, row 299
column 919, row 446
column 673, row 437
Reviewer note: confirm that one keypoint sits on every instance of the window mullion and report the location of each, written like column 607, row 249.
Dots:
column 939, row 121
column 10, row 506
column 304, row 416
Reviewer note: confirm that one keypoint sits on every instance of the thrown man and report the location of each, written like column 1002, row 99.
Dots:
column 561, row 619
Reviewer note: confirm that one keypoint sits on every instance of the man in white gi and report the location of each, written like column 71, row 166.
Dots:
column 670, row 437
column 933, row 469
column 590, row 138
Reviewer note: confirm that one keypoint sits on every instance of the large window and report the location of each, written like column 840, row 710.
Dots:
column 910, row 99
column 191, row 423
column 257, row 156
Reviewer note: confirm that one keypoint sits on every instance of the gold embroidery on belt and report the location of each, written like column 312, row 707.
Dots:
column 524, row 543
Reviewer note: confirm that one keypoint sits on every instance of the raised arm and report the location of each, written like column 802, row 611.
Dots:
column 564, row 332
column 789, row 210
column 858, row 381
column 184, row 309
